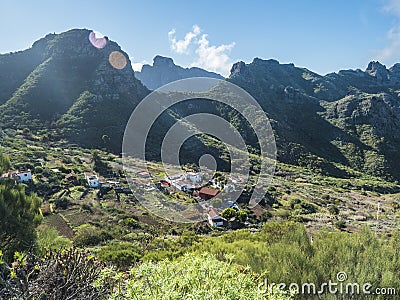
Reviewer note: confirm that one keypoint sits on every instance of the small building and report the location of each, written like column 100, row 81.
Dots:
column 206, row 193
column 229, row 188
column 5, row 176
column 182, row 186
column 24, row 175
column 19, row 176
column 215, row 219
column 174, row 178
column 92, row 180
column 194, row 177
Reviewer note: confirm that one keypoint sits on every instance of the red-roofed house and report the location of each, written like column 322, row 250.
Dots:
column 206, row 193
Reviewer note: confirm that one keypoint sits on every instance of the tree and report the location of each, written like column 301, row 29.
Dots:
column 99, row 165
column 4, row 163
column 19, row 215
column 228, row 213
column 242, row 215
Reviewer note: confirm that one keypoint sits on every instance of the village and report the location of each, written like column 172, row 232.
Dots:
column 213, row 195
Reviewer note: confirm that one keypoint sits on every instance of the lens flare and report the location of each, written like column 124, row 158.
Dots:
column 117, row 60
column 98, row 40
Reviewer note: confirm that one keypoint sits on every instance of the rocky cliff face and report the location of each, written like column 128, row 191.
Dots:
column 351, row 117
column 164, row 71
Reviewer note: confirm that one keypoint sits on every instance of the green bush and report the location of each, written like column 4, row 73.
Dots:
column 89, row 235
column 66, row 274
column 334, row 210
column 48, row 238
column 229, row 213
column 121, row 254
column 19, row 215
column 340, row 224
column 131, row 223
column 191, row 277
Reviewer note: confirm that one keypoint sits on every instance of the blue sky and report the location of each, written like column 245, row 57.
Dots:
column 324, row 36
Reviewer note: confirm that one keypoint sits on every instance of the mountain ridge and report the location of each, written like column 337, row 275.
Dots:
column 68, row 67
column 65, row 84
column 164, row 71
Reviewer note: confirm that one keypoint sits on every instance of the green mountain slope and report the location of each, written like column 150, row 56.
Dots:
column 54, row 93
column 327, row 123
column 349, row 118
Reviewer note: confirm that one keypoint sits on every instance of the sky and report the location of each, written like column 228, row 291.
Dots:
column 322, row 35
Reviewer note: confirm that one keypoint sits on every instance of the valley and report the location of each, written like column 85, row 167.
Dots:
column 73, row 203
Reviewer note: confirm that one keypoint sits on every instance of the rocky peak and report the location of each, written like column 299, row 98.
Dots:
column 265, row 62
column 376, row 69
column 395, row 70
column 238, row 68
column 160, row 61
column 164, row 71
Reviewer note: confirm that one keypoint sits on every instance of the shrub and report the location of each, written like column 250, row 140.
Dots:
column 60, row 275
column 192, row 277
column 334, row 210
column 228, row 213
column 242, row 215
column 340, row 224
column 48, row 238
column 89, row 235
column 38, row 170
column 266, row 215
column 61, row 203
column 295, row 201
column 132, row 223
column 122, row 254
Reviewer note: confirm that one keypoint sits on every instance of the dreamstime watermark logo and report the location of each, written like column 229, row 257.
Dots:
column 338, row 286
column 156, row 111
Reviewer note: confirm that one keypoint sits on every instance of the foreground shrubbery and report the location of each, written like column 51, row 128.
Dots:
column 178, row 268
column 285, row 252
column 19, row 214
column 76, row 275
column 60, row 275
column 190, row 277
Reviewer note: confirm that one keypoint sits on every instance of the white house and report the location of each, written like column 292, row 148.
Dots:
column 194, row 177
column 20, row 176
column 215, row 219
column 92, row 180
column 229, row 188
column 24, row 175
column 182, row 186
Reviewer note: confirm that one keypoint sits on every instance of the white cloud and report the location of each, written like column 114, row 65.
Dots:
column 391, row 52
column 137, row 66
column 209, row 57
column 181, row 46
column 393, row 7
column 213, row 58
